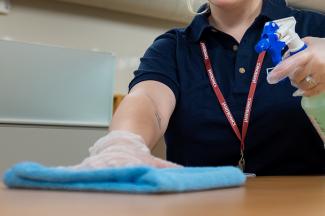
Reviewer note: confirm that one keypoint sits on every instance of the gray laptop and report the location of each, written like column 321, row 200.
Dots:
column 48, row 85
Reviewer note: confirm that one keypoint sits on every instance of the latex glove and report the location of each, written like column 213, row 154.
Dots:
column 121, row 148
column 309, row 62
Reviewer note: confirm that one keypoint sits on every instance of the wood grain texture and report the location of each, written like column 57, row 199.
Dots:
column 296, row 196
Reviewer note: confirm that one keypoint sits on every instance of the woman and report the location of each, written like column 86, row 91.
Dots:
column 172, row 95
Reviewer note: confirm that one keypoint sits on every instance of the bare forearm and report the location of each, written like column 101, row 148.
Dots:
column 137, row 113
column 140, row 120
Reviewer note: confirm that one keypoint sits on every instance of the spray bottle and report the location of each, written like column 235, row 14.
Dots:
column 275, row 37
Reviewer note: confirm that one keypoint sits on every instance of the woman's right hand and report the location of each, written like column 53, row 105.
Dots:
column 120, row 149
column 146, row 111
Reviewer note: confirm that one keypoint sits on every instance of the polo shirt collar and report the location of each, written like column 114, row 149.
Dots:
column 271, row 9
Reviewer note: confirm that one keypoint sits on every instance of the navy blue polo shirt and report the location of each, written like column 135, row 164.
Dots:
column 280, row 138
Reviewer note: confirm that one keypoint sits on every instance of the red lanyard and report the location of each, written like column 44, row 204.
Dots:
column 241, row 136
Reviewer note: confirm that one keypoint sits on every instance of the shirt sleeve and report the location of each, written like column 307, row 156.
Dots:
column 318, row 25
column 159, row 63
column 315, row 23
column 321, row 28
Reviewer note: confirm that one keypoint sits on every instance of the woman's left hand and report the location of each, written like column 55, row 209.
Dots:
column 305, row 69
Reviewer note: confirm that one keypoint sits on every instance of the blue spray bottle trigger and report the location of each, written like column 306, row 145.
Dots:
column 270, row 42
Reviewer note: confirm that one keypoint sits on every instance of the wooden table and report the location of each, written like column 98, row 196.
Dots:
column 292, row 196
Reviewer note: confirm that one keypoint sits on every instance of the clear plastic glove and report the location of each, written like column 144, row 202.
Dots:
column 305, row 69
column 118, row 149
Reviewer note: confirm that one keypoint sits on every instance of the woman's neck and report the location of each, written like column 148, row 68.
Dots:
column 235, row 19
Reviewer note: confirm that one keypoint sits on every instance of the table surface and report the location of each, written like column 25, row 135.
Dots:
column 260, row 196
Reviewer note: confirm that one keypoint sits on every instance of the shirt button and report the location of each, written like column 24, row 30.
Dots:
column 235, row 48
column 242, row 70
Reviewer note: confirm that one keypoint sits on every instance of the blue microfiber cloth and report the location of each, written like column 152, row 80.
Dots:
column 127, row 179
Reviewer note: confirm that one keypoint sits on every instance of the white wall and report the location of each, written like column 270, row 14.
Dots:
column 74, row 26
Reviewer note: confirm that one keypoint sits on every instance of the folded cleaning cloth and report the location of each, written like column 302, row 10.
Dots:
column 127, row 179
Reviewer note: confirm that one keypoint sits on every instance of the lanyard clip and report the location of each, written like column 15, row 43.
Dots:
column 241, row 162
